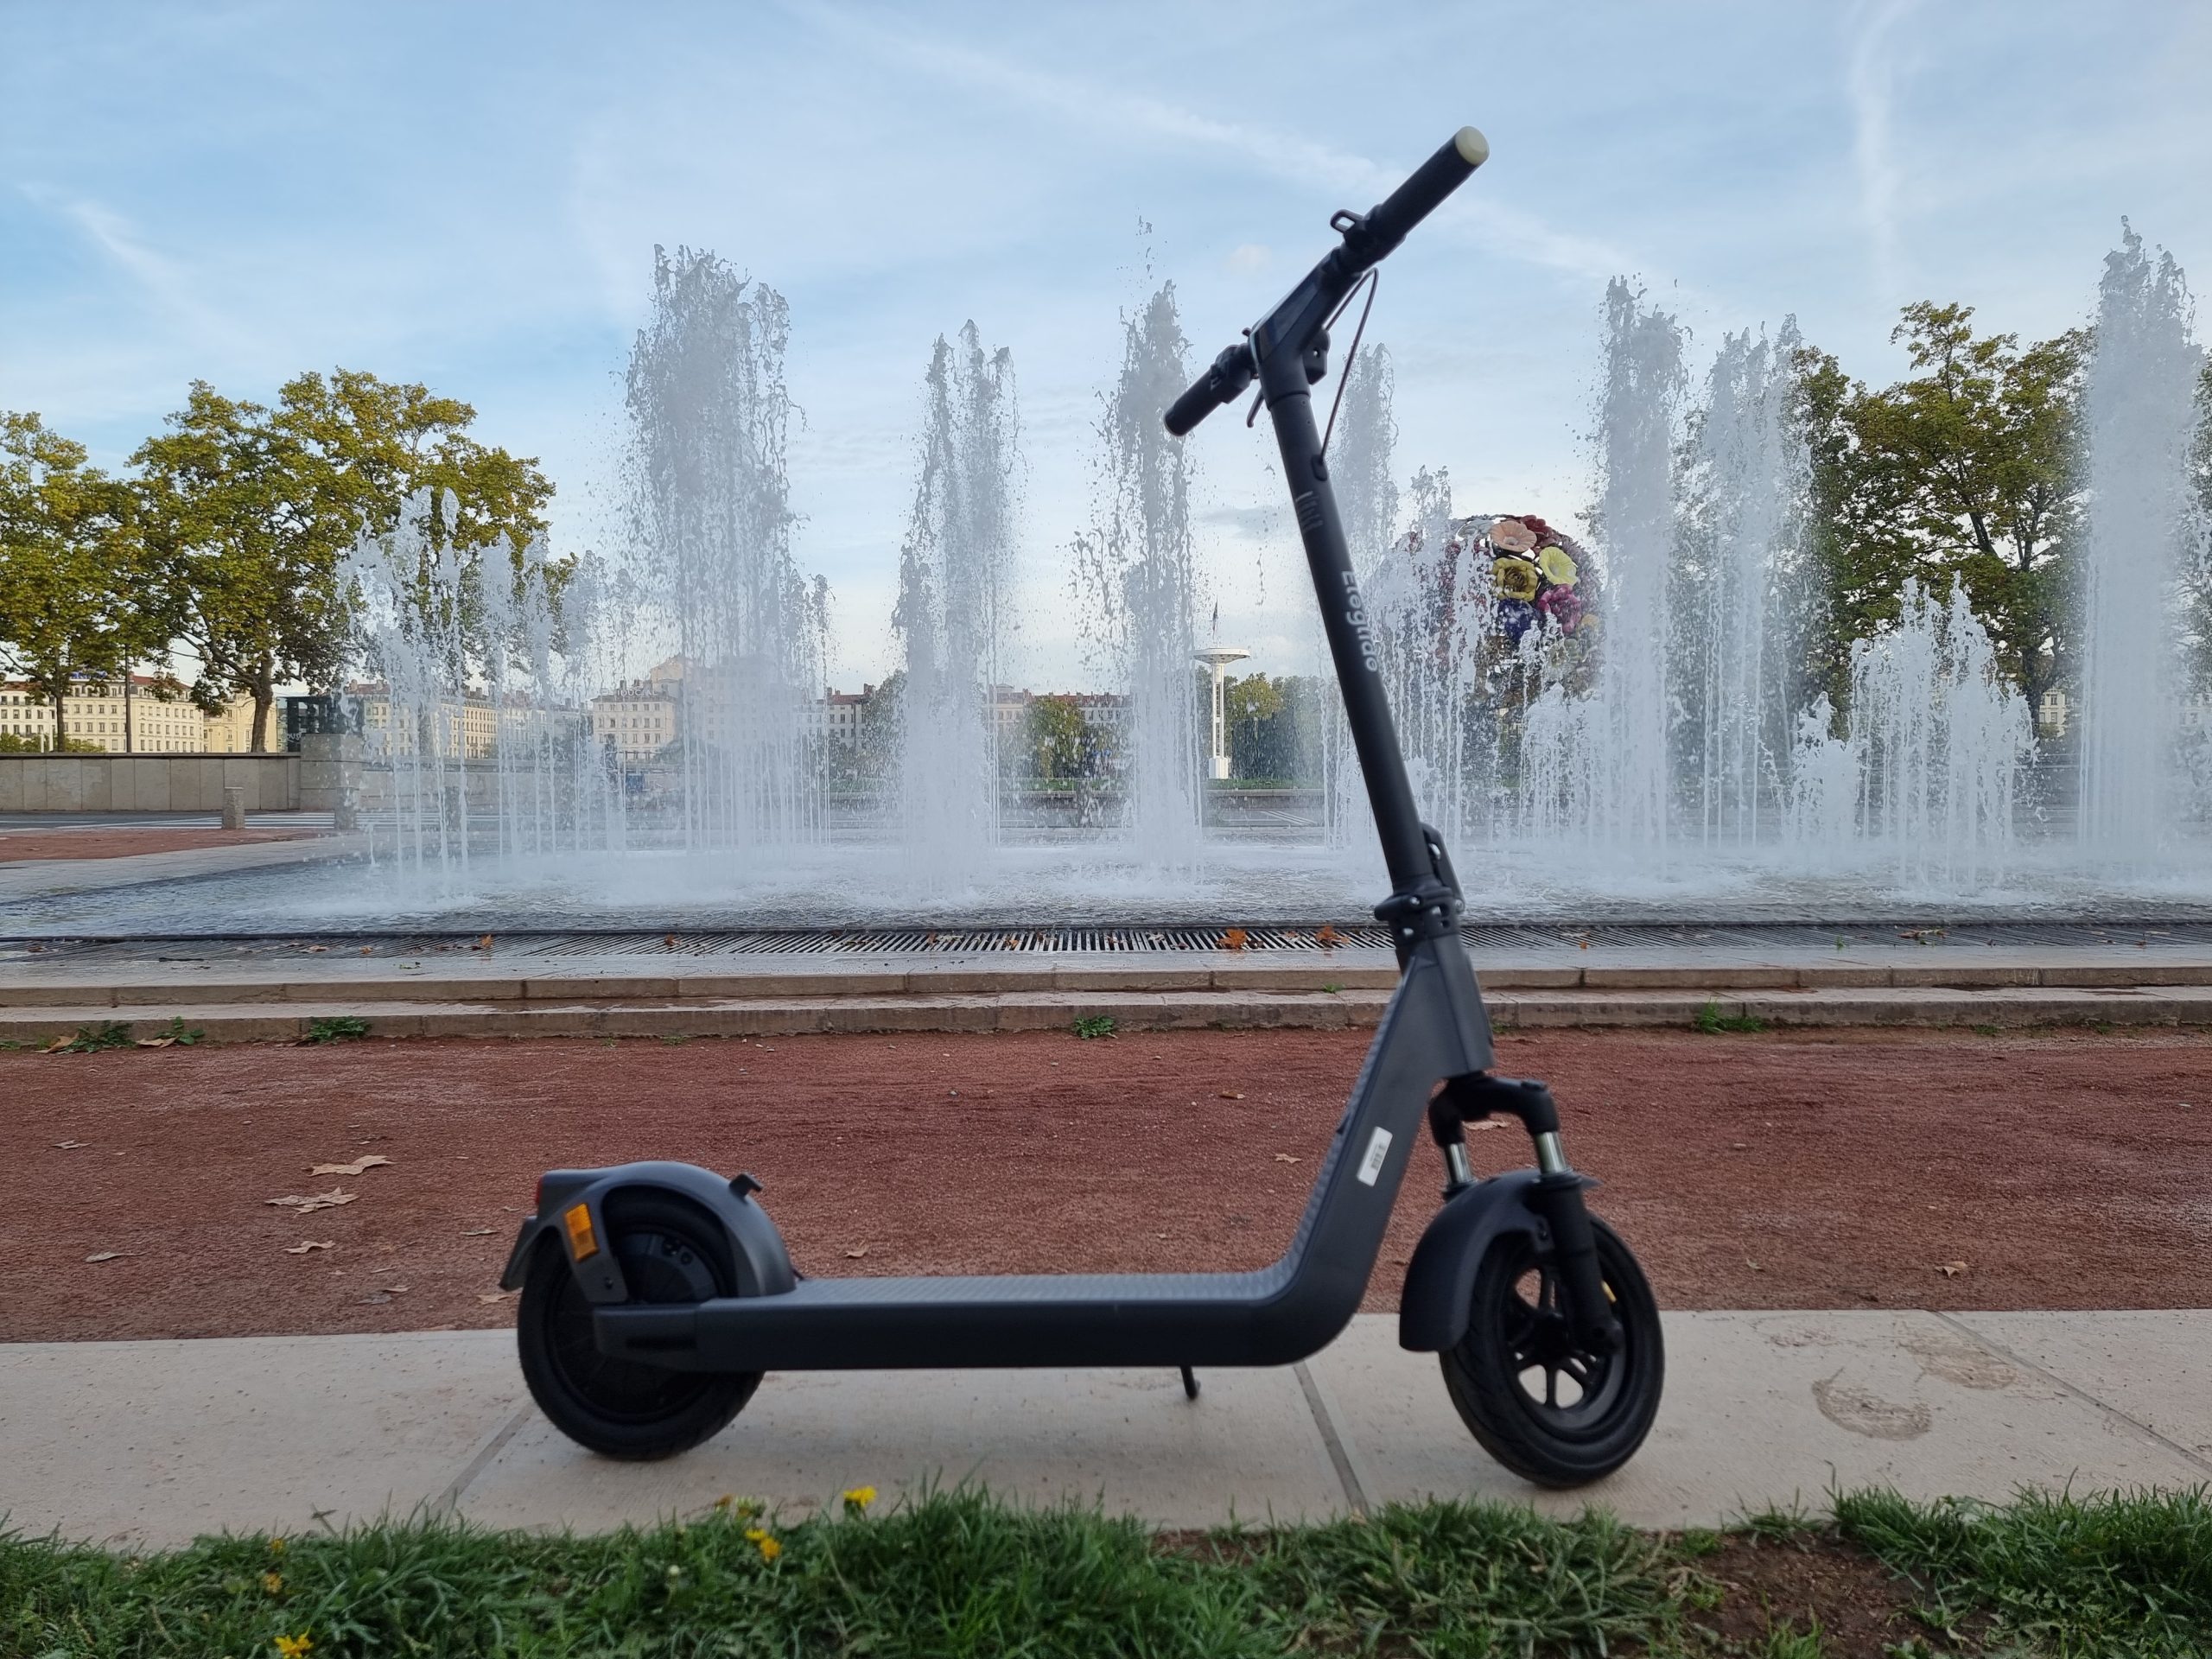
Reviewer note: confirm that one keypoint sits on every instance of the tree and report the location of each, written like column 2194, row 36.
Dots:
column 249, row 510
column 1964, row 471
column 72, row 583
column 1059, row 739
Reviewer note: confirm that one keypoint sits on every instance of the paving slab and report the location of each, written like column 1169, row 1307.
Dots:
column 1247, row 1448
column 148, row 1444
column 1775, row 1408
column 2154, row 1367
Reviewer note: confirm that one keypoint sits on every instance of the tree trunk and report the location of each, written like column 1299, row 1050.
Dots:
column 262, row 696
column 60, row 732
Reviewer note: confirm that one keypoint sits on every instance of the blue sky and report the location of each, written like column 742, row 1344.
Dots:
column 469, row 195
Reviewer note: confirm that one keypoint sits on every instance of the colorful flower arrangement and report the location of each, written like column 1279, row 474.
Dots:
column 1535, row 574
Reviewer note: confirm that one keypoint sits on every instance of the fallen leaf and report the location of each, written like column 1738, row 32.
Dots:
column 305, row 1245
column 68, row 1146
column 368, row 949
column 1285, row 1157
column 360, row 1166
column 56, row 1046
column 856, row 1254
column 395, row 1290
column 477, row 1232
column 1227, row 1094
column 495, row 1296
column 1328, row 938
column 317, row 949
column 329, row 1200
column 669, row 941
column 154, row 1042
column 1952, row 1269
column 106, row 1255
column 1235, row 939
column 484, row 943
column 1485, row 1123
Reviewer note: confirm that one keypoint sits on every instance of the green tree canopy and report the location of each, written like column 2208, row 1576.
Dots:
column 251, row 508
column 1060, row 740
column 74, row 600
column 1965, row 470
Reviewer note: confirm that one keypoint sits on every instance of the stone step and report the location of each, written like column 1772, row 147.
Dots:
column 1046, row 1010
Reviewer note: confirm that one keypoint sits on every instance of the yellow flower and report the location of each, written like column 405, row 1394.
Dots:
column 272, row 1582
column 759, row 1540
column 276, row 1546
column 295, row 1647
column 860, row 1497
column 1516, row 578
column 1558, row 569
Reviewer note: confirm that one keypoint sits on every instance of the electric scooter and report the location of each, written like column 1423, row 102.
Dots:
column 654, row 1295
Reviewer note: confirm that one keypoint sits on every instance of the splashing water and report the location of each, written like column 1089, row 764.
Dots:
column 953, row 572
column 1135, row 569
column 709, row 409
column 2140, row 413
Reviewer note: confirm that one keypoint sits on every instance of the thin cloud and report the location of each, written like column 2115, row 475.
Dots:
column 1870, row 80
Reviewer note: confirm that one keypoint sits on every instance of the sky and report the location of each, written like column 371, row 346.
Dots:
column 469, row 196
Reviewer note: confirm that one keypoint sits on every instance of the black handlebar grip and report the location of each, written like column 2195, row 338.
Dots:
column 1422, row 194
column 1226, row 376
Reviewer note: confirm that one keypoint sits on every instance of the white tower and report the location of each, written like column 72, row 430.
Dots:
column 1218, row 658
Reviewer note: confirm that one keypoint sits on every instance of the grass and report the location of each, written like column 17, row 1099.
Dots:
column 2121, row 1573
column 341, row 1028
column 91, row 1039
column 960, row 1573
column 1712, row 1022
column 1087, row 1025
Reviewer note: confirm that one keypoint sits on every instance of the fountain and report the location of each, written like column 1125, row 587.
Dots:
column 953, row 571
column 2141, row 414
column 713, row 522
column 1135, row 569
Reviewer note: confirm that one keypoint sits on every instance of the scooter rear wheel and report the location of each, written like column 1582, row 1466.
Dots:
column 1547, row 1410
column 618, row 1408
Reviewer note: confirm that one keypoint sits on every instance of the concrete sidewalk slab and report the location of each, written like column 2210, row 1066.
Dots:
column 150, row 1443
column 146, row 1444
column 2154, row 1367
column 1246, row 1448
column 1774, row 1409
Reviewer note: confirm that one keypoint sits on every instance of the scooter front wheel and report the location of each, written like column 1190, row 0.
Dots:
column 669, row 1253
column 1548, row 1410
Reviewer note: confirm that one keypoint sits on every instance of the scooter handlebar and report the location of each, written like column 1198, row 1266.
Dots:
column 1221, row 384
column 1421, row 195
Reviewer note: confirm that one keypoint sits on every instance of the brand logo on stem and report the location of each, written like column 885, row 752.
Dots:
column 1356, row 614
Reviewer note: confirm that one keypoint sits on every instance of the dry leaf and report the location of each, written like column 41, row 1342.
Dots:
column 1227, row 1094
column 368, row 949
column 856, row 1254
column 106, row 1255
column 68, row 1146
column 484, row 943
column 317, row 949
column 360, row 1166
column 1328, row 938
column 57, row 1045
column 1952, row 1269
column 477, row 1232
column 494, row 1296
column 329, row 1200
column 1235, row 939
column 395, row 1290
column 1485, row 1123
column 305, row 1245
column 154, row 1042
column 1285, row 1157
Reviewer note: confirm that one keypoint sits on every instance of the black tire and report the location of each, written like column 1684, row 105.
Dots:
column 669, row 1253
column 1511, row 1374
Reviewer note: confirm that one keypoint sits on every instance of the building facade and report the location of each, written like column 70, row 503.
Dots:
column 117, row 717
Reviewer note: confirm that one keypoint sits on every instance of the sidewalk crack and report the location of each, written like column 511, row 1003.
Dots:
column 1333, row 1438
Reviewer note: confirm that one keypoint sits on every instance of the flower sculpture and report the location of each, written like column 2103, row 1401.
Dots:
column 1535, row 575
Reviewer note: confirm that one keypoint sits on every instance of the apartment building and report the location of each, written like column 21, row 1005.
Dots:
column 124, row 719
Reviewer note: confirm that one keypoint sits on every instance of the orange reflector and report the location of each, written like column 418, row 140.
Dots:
column 583, row 1243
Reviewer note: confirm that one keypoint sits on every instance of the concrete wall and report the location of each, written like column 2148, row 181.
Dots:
column 146, row 783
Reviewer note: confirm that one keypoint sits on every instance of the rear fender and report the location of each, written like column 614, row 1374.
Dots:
column 1439, row 1290
column 764, row 1267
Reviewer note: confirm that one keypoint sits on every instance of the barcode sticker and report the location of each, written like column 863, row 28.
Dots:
column 1372, row 1166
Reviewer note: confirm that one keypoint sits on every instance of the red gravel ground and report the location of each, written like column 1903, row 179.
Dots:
column 18, row 846
column 1773, row 1171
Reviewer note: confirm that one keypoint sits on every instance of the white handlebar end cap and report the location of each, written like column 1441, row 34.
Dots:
column 1473, row 148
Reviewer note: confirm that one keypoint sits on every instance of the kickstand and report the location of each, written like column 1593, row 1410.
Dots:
column 1190, row 1382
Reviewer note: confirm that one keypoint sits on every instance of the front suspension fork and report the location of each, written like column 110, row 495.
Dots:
column 1557, row 1194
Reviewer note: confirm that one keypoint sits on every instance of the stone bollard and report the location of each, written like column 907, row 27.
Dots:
column 233, row 806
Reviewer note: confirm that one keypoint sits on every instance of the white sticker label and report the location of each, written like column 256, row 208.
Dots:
column 1377, row 1150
